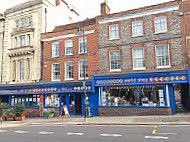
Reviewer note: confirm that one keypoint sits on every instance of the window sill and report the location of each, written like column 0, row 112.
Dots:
column 133, row 36
column 160, row 67
column 82, row 53
column 68, row 79
column 139, row 69
column 162, row 32
column 114, row 38
column 68, row 54
column 55, row 80
column 55, row 57
column 115, row 70
column 83, row 78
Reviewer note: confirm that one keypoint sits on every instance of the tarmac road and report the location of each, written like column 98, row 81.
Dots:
column 93, row 133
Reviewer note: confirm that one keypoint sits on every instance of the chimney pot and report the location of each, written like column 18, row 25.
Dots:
column 105, row 8
column 57, row 2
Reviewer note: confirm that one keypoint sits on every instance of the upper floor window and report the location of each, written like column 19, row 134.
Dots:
column 162, row 56
column 16, row 42
column 115, row 62
column 114, row 31
column 56, row 72
column 30, row 21
column 138, row 58
column 83, row 69
column 69, row 70
column 55, row 49
column 137, row 28
column 82, row 45
column 22, row 41
column 24, row 22
column 14, row 70
column 29, row 40
column 28, row 71
column 17, row 23
column 68, row 47
column 21, row 70
column 160, row 24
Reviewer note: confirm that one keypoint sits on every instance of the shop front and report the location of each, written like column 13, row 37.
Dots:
column 138, row 94
column 50, row 96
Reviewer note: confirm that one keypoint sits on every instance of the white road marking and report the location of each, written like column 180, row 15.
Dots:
column 70, row 133
column 36, row 123
column 3, row 131
column 22, row 132
column 155, row 137
column 46, row 133
column 111, row 135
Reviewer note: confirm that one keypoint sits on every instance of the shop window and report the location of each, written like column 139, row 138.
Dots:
column 26, row 100
column 160, row 24
column 69, row 70
column 162, row 56
column 82, row 45
column 55, row 49
column 115, row 62
column 113, row 31
column 56, row 72
column 52, row 100
column 133, row 96
column 137, row 28
column 138, row 58
column 68, row 47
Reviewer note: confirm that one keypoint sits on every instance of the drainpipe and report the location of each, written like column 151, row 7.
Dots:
column 42, row 61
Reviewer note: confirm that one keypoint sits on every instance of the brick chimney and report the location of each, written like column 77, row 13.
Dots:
column 57, row 2
column 105, row 8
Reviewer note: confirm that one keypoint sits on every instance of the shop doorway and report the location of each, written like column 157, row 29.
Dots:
column 78, row 104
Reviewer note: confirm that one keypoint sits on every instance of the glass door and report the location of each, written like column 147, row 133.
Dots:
column 71, row 105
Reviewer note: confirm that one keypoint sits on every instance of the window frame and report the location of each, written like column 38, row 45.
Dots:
column 29, row 39
column 141, row 68
column 54, row 55
column 21, row 72
column 66, row 41
column 86, row 72
column 16, row 42
column 110, row 35
column 22, row 38
column 69, row 70
column 30, row 20
column 23, row 22
column 28, row 69
column 81, row 40
column 134, row 33
column 168, row 56
column 52, row 73
column 14, row 70
column 17, row 23
column 114, row 70
column 155, row 28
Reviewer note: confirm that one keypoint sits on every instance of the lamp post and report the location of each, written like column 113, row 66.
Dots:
column 84, row 74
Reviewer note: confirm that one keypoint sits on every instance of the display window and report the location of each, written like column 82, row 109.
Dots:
column 52, row 100
column 26, row 100
column 133, row 95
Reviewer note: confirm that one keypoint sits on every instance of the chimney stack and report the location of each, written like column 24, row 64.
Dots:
column 105, row 8
column 57, row 2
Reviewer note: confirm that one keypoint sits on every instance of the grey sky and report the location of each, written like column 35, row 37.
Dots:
column 91, row 8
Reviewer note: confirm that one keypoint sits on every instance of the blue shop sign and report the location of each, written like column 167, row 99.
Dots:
column 143, row 81
column 47, row 90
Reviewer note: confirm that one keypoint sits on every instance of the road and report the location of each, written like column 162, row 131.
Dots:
column 81, row 133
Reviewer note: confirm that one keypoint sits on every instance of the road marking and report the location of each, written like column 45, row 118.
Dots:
column 22, row 132
column 154, row 131
column 3, row 131
column 70, row 133
column 166, row 133
column 46, row 133
column 155, row 137
column 111, row 135
column 36, row 123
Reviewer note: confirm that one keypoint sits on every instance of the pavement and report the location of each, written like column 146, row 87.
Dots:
column 178, row 119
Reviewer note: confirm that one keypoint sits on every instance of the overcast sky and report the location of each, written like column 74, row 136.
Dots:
column 91, row 8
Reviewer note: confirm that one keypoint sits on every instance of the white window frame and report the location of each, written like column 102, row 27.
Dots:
column 52, row 77
column 168, row 56
column 80, row 68
column 116, row 36
column 22, row 40
column 21, row 72
column 113, row 70
column 68, row 46
column 55, row 52
column 160, row 18
column 141, row 68
column 81, row 40
column 137, row 28
column 24, row 22
column 66, row 70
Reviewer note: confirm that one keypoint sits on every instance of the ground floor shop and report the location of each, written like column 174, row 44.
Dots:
column 142, row 93
column 51, row 96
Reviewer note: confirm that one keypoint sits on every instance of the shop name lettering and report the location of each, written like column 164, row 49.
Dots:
column 135, row 80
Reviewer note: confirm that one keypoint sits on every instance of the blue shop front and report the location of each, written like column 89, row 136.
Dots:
column 143, row 93
column 51, row 95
